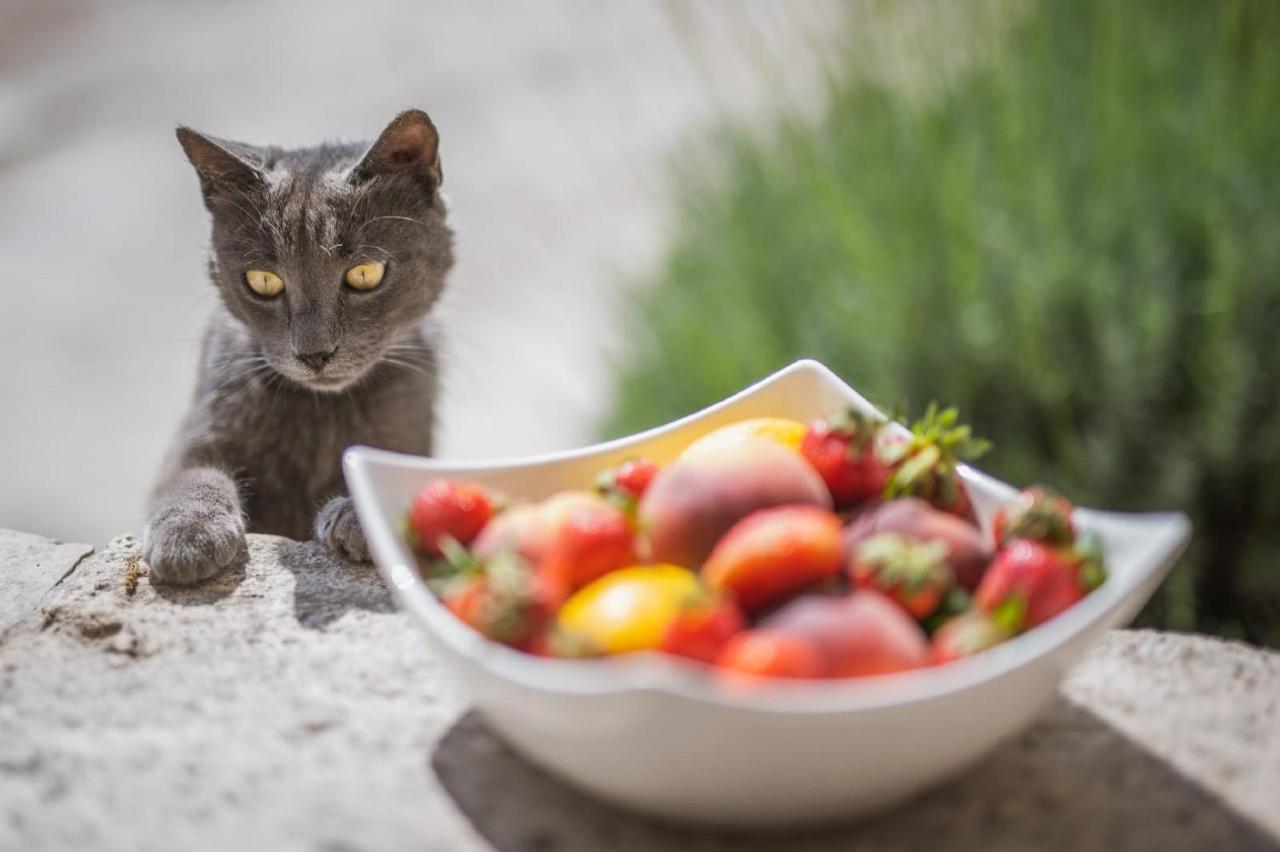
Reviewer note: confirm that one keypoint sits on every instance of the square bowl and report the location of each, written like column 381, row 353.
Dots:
column 655, row 734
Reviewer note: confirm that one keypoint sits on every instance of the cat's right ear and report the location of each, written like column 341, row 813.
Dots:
column 224, row 168
column 408, row 146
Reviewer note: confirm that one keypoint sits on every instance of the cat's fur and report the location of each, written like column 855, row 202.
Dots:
column 285, row 384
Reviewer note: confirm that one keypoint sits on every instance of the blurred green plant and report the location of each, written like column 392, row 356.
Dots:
column 1077, row 241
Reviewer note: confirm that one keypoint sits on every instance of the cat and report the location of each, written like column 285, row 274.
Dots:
column 328, row 262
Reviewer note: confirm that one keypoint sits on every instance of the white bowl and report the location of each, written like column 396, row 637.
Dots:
column 655, row 734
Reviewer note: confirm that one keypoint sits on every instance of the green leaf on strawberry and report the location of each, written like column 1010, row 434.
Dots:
column 1093, row 571
column 954, row 602
column 925, row 465
column 1011, row 613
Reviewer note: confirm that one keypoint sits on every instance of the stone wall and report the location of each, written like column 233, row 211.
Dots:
column 287, row 705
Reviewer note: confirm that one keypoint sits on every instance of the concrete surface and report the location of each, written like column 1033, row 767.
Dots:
column 33, row 567
column 287, row 706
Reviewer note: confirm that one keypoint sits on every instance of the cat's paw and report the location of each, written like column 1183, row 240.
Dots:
column 186, row 546
column 339, row 530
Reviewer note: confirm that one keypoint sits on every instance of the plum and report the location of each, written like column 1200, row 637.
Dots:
column 695, row 500
column 967, row 553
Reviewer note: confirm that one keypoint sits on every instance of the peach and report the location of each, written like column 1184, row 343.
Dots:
column 967, row 553
column 695, row 500
column 772, row 553
column 860, row 634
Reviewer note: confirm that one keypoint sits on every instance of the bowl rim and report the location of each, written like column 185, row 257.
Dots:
column 1167, row 536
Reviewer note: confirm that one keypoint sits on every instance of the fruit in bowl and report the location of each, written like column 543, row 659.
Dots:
column 707, row 741
column 844, row 547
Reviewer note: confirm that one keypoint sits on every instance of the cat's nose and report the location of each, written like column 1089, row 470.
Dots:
column 317, row 359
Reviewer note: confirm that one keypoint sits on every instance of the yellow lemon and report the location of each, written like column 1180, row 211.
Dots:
column 788, row 433
column 629, row 609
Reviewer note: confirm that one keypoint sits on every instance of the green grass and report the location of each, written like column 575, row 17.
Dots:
column 1077, row 241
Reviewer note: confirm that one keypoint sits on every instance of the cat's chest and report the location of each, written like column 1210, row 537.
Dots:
column 294, row 442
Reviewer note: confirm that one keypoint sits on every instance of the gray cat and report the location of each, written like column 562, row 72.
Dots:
column 328, row 261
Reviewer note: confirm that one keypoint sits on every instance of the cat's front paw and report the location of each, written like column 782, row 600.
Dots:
column 339, row 530
column 185, row 547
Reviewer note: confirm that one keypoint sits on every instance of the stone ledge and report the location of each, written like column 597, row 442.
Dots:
column 29, row 567
column 286, row 705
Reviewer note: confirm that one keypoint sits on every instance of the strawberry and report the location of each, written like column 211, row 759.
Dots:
column 591, row 541
column 772, row 653
column 448, row 508
column 530, row 528
column 772, row 553
column 628, row 481
column 703, row 628
column 1037, row 513
column 965, row 635
column 504, row 598
column 912, row 573
column 1029, row 582
column 860, row 634
column 925, row 465
column 845, row 448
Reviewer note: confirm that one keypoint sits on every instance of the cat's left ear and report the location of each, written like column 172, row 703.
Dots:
column 222, row 166
column 409, row 146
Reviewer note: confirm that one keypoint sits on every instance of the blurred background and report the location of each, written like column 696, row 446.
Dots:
column 1062, row 217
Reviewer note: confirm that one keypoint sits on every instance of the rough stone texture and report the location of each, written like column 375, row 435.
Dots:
column 287, row 706
column 29, row 567
column 281, row 706
column 1210, row 708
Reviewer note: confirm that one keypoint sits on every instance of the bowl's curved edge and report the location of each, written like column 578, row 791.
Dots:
column 1167, row 535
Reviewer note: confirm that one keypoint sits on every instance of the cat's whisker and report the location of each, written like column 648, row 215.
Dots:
column 408, row 365
column 409, row 349
column 369, row 222
column 258, row 370
column 377, row 253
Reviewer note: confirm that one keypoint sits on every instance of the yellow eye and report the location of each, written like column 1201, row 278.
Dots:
column 264, row 283
column 366, row 276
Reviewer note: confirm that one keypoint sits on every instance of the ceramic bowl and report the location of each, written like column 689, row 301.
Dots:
column 657, row 735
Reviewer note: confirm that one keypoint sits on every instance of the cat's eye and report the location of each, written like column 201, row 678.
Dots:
column 366, row 276
column 264, row 283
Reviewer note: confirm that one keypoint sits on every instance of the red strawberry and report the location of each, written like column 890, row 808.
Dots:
column 447, row 507
column 860, row 634
column 1037, row 513
column 530, row 528
column 772, row 653
column 925, row 465
column 592, row 541
column 845, row 448
column 965, row 635
column 628, row 480
column 703, row 628
column 1029, row 583
column 505, row 599
column 772, row 553
column 912, row 573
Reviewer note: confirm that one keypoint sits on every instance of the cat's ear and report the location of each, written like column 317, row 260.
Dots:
column 223, row 167
column 409, row 146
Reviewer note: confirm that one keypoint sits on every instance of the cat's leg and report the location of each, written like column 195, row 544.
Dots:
column 195, row 528
column 339, row 530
